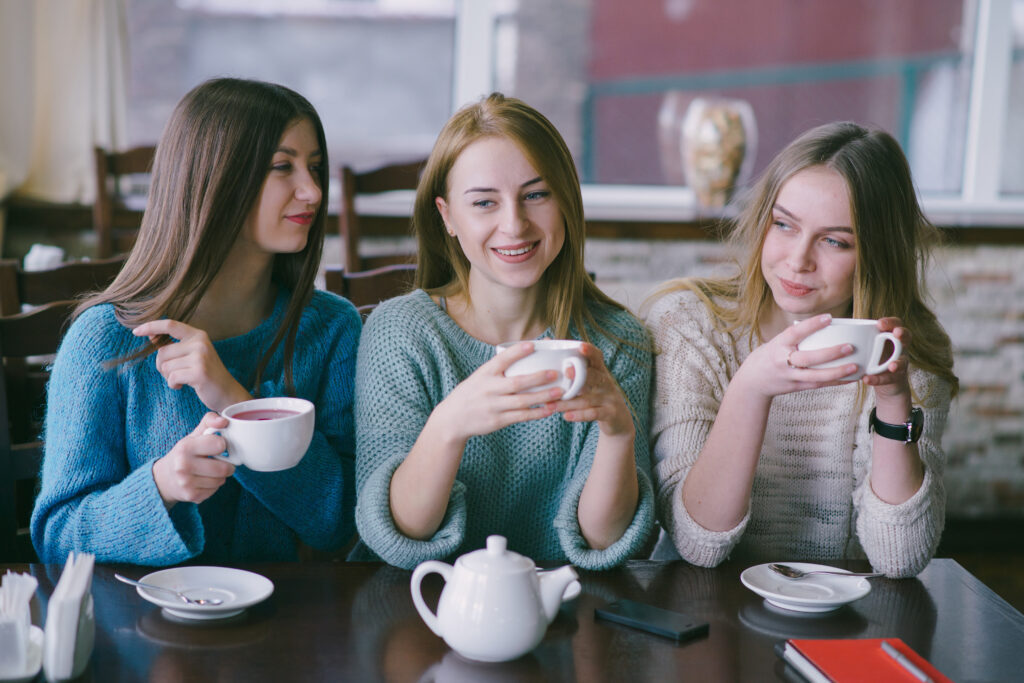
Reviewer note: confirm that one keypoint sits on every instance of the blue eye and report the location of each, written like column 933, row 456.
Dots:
column 538, row 194
column 839, row 244
column 781, row 225
column 484, row 203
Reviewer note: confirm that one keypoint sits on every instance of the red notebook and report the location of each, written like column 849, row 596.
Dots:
column 852, row 660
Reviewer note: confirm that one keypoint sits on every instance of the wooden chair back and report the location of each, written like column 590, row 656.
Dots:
column 66, row 281
column 368, row 288
column 115, row 217
column 23, row 337
column 403, row 176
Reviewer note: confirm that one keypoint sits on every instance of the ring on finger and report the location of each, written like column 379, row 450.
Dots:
column 789, row 360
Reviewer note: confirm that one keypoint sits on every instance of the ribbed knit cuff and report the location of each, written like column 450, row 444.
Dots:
column 377, row 527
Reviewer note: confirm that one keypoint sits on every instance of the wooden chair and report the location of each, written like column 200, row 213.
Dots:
column 115, row 218
column 66, row 281
column 368, row 288
column 22, row 403
column 27, row 342
column 403, row 176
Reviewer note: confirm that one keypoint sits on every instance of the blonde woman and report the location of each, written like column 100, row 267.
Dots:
column 448, row 449
column 761, row 456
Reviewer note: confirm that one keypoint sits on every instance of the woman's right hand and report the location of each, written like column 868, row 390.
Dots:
column 778, row 367
column 187, row 474
column 486, row 401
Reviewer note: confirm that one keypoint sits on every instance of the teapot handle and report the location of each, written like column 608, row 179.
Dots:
column 424, row 568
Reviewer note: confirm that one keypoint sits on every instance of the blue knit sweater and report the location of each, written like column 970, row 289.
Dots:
column 523, row 481
column 105, row 428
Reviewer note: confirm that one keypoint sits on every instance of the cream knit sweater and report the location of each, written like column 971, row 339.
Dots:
column 811, row 496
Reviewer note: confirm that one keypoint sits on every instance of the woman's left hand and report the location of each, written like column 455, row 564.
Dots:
column 192, row 361
column 894, row 383
column 600, row 400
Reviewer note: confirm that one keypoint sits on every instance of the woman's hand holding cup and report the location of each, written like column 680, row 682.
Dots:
column 600, row 398
column 779, row 367
column 187, row 474
column 893, row 381
column 487, row 400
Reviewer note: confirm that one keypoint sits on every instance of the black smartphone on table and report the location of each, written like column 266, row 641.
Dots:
column 662, row 622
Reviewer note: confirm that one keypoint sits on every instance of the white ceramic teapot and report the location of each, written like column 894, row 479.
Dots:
column 495, row 605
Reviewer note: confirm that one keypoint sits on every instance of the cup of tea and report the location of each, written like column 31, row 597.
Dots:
column 552, row 354
column 267, row 434
column 867, row 341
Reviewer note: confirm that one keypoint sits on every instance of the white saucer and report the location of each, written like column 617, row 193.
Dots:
column 236, row 587
column 818, row 593
column 34, row 661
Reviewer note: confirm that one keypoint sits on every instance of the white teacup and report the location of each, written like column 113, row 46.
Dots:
column 552, row 354
column 868, row 345
column 267, row 434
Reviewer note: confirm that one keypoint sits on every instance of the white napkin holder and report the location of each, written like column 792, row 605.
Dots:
column 70, row 621
column 16, row 591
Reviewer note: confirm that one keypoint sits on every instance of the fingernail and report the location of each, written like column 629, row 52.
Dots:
column 826, row 318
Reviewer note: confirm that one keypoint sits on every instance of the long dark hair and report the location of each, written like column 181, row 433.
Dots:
column 210, row 165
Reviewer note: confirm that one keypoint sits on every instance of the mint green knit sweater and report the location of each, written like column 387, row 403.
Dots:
column 523, row 481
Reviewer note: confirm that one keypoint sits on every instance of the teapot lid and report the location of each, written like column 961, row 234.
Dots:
column 496, row 558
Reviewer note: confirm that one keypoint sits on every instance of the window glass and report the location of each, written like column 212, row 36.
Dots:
column 1013, row 156
column 901, row 66
column 381, row 80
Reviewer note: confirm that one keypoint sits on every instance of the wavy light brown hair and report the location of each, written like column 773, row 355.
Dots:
column 893, row 241
column 443, row 267
column 209, row 169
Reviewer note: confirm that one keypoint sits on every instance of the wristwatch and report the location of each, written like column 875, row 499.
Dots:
column 907, row 432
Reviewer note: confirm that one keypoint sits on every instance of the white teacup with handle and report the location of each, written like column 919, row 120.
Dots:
column 867, row 341
column 552, row 354
column 267, row 434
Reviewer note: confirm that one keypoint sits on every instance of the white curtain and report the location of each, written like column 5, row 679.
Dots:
column 64, row 75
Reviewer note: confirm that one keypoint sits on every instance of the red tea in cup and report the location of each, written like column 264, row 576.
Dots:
column 265, row 414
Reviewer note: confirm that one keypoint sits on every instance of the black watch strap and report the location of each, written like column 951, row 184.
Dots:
column 907, row 432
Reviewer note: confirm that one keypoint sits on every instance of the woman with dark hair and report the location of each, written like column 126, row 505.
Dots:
column 757, row 452
column 448, row 449
column 215, row 305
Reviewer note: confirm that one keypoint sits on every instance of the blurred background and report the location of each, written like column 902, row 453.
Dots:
column 945, row 77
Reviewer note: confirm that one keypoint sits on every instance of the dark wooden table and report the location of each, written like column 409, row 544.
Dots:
column 356, row 622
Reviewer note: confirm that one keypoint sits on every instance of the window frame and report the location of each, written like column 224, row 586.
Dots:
column 979, row 200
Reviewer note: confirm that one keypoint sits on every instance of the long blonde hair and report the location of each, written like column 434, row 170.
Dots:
column 442, row 266
column 893, row 238
column 209, row 168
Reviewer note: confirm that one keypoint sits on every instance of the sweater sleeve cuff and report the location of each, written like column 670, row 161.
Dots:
column 696, row 544
column 164, row 536
column 377, row 527
column 901, row 539
column 576, row 548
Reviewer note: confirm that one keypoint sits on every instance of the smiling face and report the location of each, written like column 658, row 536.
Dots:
column 279, row 222
column 503, row 213
column 809, row 253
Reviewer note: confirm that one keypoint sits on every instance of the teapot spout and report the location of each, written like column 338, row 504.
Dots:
column 552, row 587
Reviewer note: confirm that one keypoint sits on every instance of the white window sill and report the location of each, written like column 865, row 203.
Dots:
column 667, row 204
